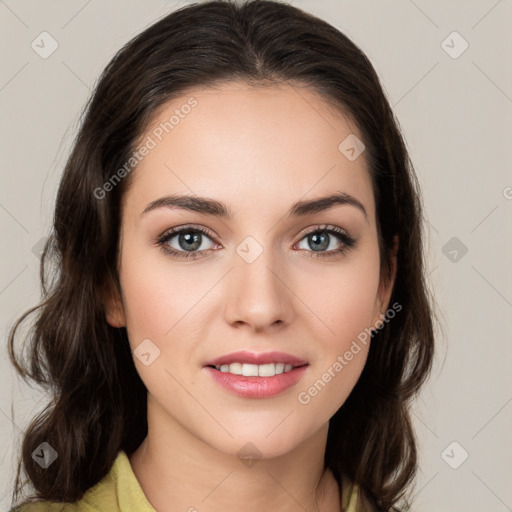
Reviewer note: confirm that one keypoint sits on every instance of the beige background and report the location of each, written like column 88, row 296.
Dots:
column 456, row 117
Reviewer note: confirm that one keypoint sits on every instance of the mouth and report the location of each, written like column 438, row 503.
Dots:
column 252, row 375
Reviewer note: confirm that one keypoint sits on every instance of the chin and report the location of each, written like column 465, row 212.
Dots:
column 257, row 442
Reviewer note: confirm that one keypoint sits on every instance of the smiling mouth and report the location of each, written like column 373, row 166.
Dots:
column 256, row 370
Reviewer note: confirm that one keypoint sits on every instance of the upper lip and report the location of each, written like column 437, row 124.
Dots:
column 244, row 356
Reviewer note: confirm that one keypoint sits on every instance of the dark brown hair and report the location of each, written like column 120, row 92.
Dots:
column 98, row 401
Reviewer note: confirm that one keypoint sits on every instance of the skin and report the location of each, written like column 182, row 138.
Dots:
column 259, row 150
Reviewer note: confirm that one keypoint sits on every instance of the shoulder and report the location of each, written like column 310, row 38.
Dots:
column 83, row 505
column 51, row 506
column 103, row 496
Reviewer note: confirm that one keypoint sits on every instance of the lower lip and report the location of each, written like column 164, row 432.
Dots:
column 257, row 387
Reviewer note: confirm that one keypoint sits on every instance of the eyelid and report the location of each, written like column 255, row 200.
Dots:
column 322, row 227
column 177, row 229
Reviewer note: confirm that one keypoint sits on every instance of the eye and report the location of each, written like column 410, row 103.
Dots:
column 188, row 244
column 320, row 239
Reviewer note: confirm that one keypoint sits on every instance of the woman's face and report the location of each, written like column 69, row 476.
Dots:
column 258, row 281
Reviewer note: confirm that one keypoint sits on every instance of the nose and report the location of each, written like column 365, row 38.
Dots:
column 258, row 296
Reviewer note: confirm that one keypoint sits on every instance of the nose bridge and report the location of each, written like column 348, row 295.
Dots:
column 257, row 293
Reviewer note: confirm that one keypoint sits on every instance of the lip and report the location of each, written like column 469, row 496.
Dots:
column 257, row 387
column 244, row 356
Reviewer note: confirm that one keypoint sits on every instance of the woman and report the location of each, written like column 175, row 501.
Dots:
column 239, row 317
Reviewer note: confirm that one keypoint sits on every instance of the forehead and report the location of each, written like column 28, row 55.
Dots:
column 249, row 147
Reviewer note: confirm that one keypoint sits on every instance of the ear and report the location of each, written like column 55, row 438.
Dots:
column 386, row 288
column 114, row 310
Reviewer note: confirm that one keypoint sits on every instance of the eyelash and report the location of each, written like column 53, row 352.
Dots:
column 347, row 241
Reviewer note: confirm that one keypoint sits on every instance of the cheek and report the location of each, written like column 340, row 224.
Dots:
column 345, row 301
column 353, row 304
column 344, row 298
column 159, row 307
column 155, row 297
column 342, row 353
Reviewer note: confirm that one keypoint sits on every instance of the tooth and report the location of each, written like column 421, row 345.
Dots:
column 279, row 368
column 267, row 370
column 235, row 368
column 250, row 370
column 254, row 370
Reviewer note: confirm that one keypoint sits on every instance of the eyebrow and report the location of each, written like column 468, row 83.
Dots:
column 215, row 208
